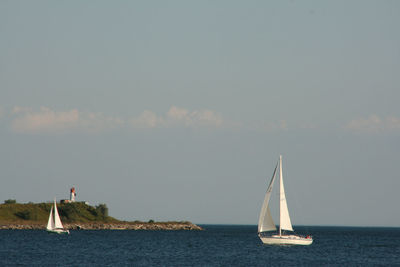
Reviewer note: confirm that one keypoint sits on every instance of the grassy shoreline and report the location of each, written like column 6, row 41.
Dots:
column 77, row 216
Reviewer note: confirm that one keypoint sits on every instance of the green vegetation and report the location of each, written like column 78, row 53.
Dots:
column 102, row 210
column 77, row 212
column 10, row 201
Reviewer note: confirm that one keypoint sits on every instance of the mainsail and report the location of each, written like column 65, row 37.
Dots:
column 265, row 221
column 285, row 223
column 57, row 221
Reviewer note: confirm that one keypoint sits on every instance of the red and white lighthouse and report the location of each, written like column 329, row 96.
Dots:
column 72, row 195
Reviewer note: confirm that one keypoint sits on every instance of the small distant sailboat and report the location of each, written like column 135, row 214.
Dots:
column 266, row 223
column 54, row 224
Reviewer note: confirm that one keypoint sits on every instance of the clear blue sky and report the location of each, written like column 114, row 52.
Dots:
column 179, row 110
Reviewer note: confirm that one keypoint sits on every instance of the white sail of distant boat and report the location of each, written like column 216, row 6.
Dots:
column 50, row 223
column 54, row 224
column 266, row 223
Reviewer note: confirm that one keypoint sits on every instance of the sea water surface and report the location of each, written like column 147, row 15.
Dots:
column 217, row 245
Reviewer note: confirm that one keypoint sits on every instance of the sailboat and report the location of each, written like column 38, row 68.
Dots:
column 266, row 223
column 54, row 224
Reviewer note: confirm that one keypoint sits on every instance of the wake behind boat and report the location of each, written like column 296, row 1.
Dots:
column 54, row 224
column 266, row 223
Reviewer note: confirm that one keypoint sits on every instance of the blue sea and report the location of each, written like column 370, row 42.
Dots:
column 218, row 245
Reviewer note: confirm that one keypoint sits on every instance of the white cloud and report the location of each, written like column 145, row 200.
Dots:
column 178, row 117
column 46, row 120
column 178, row 114
column 206, row 117
column 18, row 109
column 97, row 122
column 49, row 121
column 374, row 124
column 195, row 118
column 147, row 119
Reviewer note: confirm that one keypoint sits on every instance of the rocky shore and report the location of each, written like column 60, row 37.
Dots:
column 169, row 226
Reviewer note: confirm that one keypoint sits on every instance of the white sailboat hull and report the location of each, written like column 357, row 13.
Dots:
column 286, row 240
column 58, row 231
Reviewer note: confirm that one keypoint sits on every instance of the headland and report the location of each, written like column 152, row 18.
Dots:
column 77, row 216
